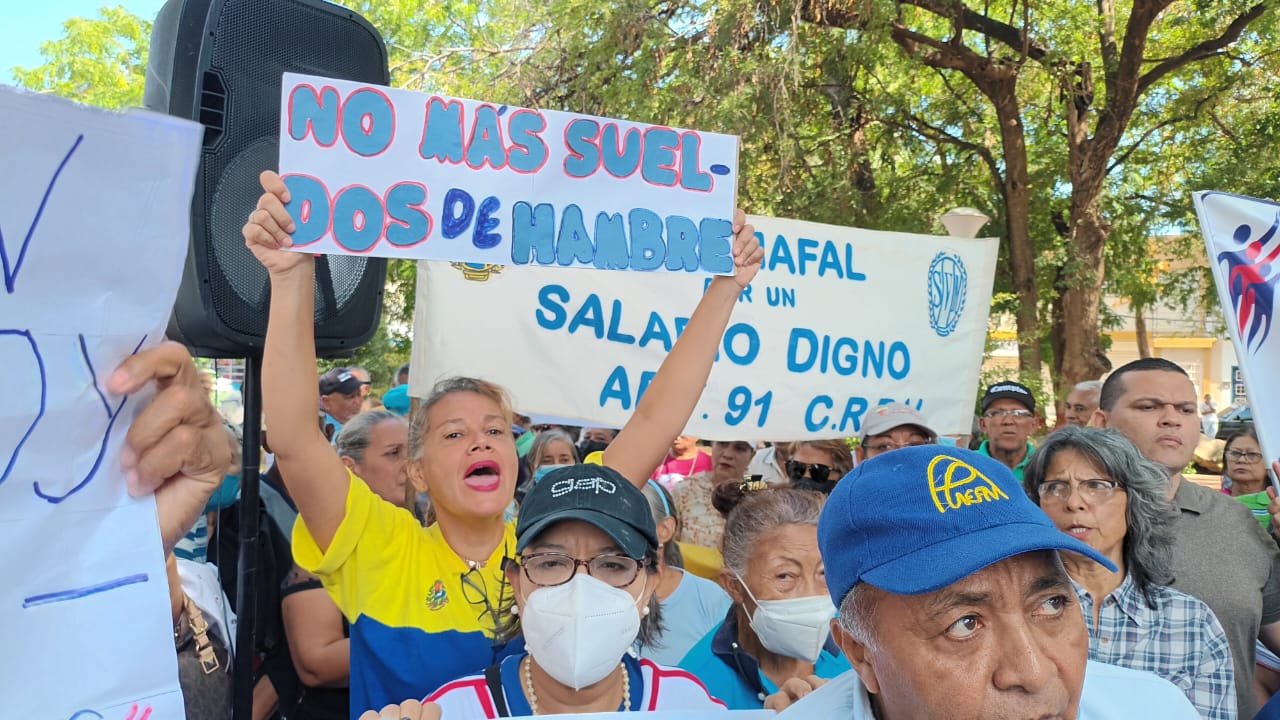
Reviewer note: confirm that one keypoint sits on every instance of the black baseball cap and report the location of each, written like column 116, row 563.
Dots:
column 1012, row 391
column 340, row 380
column 593, row 494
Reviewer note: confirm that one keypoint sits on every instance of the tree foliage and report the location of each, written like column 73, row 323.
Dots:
column 98, row 61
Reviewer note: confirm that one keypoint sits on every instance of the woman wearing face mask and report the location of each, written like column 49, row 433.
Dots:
column 779, row 626
column 427, row 604
column 550, row 450
column 702, row 524
column 584, row 578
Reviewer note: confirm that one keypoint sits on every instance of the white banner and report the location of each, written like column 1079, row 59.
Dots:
column 378, row 171
column 1241, row 237
column 94, row 225
column 839, row 320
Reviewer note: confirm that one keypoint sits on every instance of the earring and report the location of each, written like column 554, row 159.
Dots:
column 515, row 610
column 645, row 611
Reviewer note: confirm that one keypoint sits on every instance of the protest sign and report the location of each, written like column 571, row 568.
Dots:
column 94, row 221
column 1242, row 237
column 378, row 171
column 838, row 321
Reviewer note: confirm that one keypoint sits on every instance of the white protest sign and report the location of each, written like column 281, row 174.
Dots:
column 377, row 171
column 94, row 226
column 839, row 321
column 1242, row 236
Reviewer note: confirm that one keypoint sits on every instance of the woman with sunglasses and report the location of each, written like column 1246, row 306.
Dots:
column 584, row 579
column 778, row 628
column 1097, row 487
column 818, row 464
column 428, row 604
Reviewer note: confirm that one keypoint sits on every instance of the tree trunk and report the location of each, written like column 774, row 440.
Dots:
column 1017, row 195
column 1082, row 355
column 1140, row 329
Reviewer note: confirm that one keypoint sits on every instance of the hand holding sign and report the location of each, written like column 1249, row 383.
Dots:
column 176, row 447
column 407, row 710
column 747, row 252
column 269, row 229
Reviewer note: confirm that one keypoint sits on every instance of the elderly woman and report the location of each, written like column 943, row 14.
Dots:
column 1246, row 475
column 691, row 605
column 779, row 625
column 584, row 581
column 819, row 464
column 372, row 445
column 551, row 449
column 702, row 524
column 1097, row 487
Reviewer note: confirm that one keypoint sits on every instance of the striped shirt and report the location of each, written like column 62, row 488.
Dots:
column 1177, row 638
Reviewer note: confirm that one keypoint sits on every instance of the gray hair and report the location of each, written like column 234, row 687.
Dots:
column 1148, row 541
column 857, row 613
column 759, row 514
column 444, row 388
column 1089, row 386
column 545, row 438
column 662, row 506
column 353, row 438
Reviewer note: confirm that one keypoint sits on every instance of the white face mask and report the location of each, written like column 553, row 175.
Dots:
column 796, row 627
column 579, row 631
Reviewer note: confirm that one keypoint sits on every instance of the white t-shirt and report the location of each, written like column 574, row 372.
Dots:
column 765, row 464
column 692, row 611
column 1110, row 693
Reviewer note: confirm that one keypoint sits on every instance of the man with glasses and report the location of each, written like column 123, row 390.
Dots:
column 1008, row 419
column 890, row 427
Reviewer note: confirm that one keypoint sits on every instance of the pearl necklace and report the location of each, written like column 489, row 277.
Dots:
column 533, row 696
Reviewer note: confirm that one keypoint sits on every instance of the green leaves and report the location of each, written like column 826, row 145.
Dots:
column 99, row 61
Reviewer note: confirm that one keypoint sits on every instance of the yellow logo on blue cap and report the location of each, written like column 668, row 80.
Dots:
column 955, row 484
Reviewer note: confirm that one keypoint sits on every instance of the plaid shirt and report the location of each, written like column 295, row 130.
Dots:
column 1178, row 638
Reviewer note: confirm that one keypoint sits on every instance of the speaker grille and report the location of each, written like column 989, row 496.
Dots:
column 254, row 43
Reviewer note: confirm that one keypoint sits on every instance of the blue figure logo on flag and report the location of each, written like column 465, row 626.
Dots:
column 1251, row 275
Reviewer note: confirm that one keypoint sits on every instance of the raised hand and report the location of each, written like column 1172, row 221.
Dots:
column 177, row 446
column 747, row 253
column 407, row 710
column 267, row 233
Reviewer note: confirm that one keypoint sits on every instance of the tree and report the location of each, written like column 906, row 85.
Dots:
column 99, row 61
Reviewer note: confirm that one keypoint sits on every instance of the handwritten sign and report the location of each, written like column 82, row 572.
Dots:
column 837, row 322
column 378, row 171
column 1242, row 237
column 93, row 230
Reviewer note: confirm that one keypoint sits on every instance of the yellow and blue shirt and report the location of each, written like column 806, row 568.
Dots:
column 415, row 623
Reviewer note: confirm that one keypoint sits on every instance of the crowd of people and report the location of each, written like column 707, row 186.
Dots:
column 457, row 562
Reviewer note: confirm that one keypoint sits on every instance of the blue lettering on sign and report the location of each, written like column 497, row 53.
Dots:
column 455, row 216
column 715, row 249
column 551, row 300
column 309, row 207
column 485, row 146
column 357, row 218
column 409, row 224
column 647, row 248
column 618, row 387
column 621, row 160
column 741, row 330
column 692, row 178
column 682, row 243
column 614, row 319
column 658, row 162
column 826, row 256
column 611, row 242
column 589, row 315
column 579, row 139
column 815, row 423
column 483, row 238
column 948, row 289
column 656, row 331
column 806, row 351
column 442, row 133
column 533, row 231
column 314, row 113
column 573, row 244
column 528, row 150
column 368, row 122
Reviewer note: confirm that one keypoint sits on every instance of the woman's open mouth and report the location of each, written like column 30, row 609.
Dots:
column 483, row 476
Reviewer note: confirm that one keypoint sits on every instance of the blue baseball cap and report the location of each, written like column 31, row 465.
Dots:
column 918, row 519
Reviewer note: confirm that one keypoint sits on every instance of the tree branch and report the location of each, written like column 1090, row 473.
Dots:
column 1202, row 50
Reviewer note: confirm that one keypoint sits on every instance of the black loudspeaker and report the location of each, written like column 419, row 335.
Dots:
column 220, row 62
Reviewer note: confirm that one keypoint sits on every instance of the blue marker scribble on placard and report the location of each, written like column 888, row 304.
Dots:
column 80, row 592
column 719, row 169
column 11, row 272
column 86, row 714
column 112, row 415
column 948, row 285
column 35, row 352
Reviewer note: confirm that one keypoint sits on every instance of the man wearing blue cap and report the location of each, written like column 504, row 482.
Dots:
column 954, row 603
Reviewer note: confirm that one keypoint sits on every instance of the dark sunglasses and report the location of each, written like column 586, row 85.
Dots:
column 817, row 473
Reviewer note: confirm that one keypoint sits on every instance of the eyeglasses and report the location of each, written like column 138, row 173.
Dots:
column 817, row 472
column 1091, row 491
column 1244, row 457
column 884, row 446
column 1016, row 414
column 552, row 568
column 475, row 591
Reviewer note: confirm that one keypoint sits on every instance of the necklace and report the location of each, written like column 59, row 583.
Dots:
column 533, row 696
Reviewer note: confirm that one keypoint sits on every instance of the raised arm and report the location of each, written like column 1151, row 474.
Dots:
column 317, row 480
column 673, row 393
